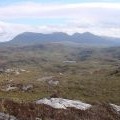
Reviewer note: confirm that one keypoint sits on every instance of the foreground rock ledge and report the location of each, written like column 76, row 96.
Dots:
column 57, row 109
column 60, row 103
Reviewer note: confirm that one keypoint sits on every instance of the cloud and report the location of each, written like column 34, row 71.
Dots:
column 38, row 10
column 98, row 18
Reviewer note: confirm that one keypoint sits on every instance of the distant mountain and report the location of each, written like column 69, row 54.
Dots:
column 36, row 38
column 29, row 38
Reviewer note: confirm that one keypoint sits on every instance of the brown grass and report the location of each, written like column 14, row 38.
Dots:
column 31, row 111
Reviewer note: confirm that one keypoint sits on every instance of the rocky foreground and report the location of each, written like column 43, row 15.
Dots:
column 57, row 109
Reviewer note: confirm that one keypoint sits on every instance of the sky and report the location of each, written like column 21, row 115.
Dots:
column 100, row 17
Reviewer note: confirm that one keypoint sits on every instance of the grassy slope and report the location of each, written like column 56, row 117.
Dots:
column 89, row 79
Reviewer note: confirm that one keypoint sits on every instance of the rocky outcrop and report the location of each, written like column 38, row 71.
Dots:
column 60, row 103
column 65, row 110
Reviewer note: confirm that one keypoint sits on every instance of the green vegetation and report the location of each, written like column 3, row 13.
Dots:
column 94, row 77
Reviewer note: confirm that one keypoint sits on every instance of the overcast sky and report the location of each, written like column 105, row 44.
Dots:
column 100, row 17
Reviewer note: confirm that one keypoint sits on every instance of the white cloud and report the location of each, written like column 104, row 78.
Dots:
column 98, row 18
column 38, row 10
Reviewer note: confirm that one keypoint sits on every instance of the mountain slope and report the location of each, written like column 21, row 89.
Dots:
column 29, row 38
column 35, row 38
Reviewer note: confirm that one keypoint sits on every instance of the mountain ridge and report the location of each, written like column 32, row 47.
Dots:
column 30, row 38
